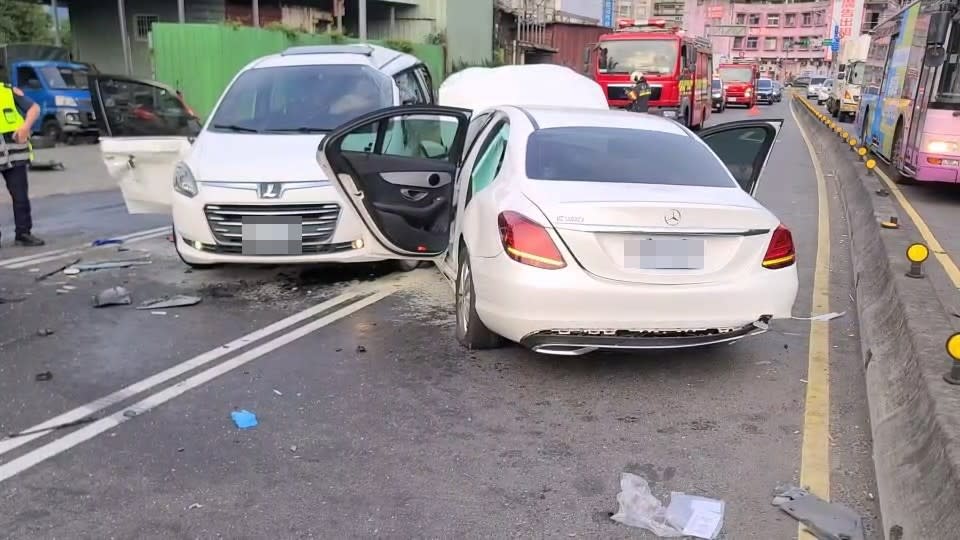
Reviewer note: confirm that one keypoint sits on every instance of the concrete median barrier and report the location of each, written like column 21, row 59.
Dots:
column 914, row 413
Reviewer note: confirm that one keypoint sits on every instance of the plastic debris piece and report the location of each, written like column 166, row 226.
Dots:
column 48, row 165
column 71, row 271
column 822, row 317
column 114, row 296
column 361, row 349
column 825, row 520
column 45, row 275
column 105, row 242
column 43, row 377
column 44, row 332
column 158, row 312
column 244, row 419
column 639, row 508
column 194, row 506
column 700, row 517
column 277, row 392
column 129, row 413
column 180, row 300
column 106, row 265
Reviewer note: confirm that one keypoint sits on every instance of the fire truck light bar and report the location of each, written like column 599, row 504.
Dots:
column 640, row 23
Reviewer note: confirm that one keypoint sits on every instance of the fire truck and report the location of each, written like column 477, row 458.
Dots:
column 677, row 67
column 740, row 81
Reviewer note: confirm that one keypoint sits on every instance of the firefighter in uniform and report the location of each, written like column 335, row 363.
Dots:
column 18, row 113
column 640, row 93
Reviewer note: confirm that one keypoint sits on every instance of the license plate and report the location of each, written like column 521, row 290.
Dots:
column 272, row 235
column 733, row 99
column 663, row 254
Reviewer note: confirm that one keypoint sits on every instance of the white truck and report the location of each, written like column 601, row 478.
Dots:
column 847, row 77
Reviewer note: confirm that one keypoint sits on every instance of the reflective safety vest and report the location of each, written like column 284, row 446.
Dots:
column 11, row 152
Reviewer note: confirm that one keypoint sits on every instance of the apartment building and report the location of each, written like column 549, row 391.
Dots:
column 633, row 9
column 786, row 38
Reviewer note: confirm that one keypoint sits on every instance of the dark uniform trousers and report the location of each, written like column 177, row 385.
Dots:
column 16, row 180
column 641, row 94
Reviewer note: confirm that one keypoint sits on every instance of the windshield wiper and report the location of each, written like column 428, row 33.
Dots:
column 238, row 129
column 301, row 129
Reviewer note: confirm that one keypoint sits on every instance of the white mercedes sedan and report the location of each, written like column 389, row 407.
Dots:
column 574, row 230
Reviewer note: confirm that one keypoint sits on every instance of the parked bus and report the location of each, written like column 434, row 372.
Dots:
column 909, row 112
column 678, row 68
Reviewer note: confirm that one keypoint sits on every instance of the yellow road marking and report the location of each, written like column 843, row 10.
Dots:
column 815, row 451
column 941, row 254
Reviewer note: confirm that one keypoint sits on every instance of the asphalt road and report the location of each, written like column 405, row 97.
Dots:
column 373, row 421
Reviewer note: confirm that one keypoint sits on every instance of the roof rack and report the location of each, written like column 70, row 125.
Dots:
column 360, row 48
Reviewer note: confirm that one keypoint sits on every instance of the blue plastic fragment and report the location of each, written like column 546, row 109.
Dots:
column 244, row 419
column 106, row 241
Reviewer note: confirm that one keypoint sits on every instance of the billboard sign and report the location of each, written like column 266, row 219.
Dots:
column 726, row 31
column 607, row 18
column 715, row 12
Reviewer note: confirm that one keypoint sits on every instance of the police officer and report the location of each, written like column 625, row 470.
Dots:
column 640, row 93
column 18, row 113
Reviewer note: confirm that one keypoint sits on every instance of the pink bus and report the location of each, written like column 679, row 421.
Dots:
column 909, row 111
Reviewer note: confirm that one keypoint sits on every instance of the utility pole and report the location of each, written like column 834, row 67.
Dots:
column 56, row 23
column 256, row 13
column 181, row 12
column 362, row 15
column 122, row 14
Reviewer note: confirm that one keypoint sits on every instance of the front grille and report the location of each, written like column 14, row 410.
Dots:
column 319, row 221
column 620, row 92
column 85, row 104
column 312, row 249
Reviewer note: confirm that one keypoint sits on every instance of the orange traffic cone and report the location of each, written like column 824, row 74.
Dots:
column 753, row 111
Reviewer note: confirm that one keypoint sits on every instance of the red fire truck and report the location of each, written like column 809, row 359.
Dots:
column 678, row 67
column 740, row 81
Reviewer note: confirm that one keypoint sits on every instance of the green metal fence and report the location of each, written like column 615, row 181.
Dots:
column 201, row 59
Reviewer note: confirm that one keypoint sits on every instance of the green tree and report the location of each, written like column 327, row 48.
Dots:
column 24, row 22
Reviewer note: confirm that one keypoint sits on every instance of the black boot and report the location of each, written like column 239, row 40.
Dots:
column 28, row 240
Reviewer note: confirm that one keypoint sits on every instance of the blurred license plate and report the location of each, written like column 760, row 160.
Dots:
column 663, row 253
column 272, row 235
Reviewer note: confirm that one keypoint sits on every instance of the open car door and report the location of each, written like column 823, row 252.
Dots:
column 744, row 147
column 145, row 130
column 396, row 168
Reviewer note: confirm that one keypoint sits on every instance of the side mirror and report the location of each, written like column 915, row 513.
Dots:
column 409, row 101
column 937, row 31
column 434, row 150
column 935, row 56
column 34, row 84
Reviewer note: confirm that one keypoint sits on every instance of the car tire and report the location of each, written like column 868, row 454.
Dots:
column 406, row 265
column 471, row 332
column 51, row 130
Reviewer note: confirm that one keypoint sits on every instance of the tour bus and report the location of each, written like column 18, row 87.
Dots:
column 677, row 66
column 909, row 111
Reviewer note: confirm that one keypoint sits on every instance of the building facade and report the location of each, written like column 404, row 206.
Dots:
column 787, row 39
column 633, row 9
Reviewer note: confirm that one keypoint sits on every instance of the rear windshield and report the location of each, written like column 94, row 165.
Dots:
column 817, row 80
column 717, row 84
column 301, row 99
column 622, row 155
column 765, row 83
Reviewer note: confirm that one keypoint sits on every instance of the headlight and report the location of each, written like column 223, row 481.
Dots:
column 943, row 147
column 748, row 92
column 183, row 181
column 65, row 101
column 717, row 94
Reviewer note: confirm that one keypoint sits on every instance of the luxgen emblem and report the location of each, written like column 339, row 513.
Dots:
column 672, row 217
column 269, row 191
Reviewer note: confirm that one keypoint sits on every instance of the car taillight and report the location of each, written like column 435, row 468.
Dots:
column 780, row 252
column 528, row 242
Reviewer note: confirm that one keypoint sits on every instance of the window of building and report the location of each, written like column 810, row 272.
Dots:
column 773, row 19
column 790, row 20
column 142, row 24
column 803, row 43
column 741, row 18
column 807, row 19
column 754, row 19
column 738, row 43
column 752, row 42
column 770, row 44
column 787, row 43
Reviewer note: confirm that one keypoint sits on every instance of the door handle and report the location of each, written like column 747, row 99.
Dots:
column 413, row 195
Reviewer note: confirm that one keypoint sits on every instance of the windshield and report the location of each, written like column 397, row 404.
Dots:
column 765, row 84
column 717, row 84
column 64, row 78
column 301, row 98
column 736, row 74
column 656, row 56
column 630, row 156
column 948, row 90
column 855, row 73
column 817, row 80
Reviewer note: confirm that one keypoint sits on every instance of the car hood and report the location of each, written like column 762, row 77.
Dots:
column 240, row 157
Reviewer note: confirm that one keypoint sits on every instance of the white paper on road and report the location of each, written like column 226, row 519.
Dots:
column 703, row 524
column 822, row 317
column 480, row 88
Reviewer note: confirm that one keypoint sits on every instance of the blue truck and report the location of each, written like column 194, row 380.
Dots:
column 49, row 76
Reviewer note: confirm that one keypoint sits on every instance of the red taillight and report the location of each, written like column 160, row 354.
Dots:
column 780, row 253
column 528, row 242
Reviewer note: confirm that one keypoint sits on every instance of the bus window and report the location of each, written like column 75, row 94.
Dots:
column 948, row 88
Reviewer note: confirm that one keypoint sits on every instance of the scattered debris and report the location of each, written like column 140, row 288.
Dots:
column 825, row 520
column 195, row 506
column 822, row 317
column 49, row 165
column 180, row 300
column 158, row 312
column 114, row 296
column 105, row 265
column 63, row 291
column 244, row 419
column 68, row 287
column 361, row 349
column 105, row 242
column 44, row 332
column 180, row 449
column 85, row 420
column 129, row 413
column 293, row 448
column 43, row 377
column 686, row 515
column 277, row 392
column 71, row 271
column 44, row 276
column 804, row 381
column 12, row 300
column 882, row 192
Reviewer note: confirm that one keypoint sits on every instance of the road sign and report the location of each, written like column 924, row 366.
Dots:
column 607, row 18
column 726, row 31
column 827, row 42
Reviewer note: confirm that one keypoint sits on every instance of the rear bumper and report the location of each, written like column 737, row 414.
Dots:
column 576, row 344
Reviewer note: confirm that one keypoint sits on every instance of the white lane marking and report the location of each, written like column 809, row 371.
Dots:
column 131, row 390
column 52, row 255
column 67, row 442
